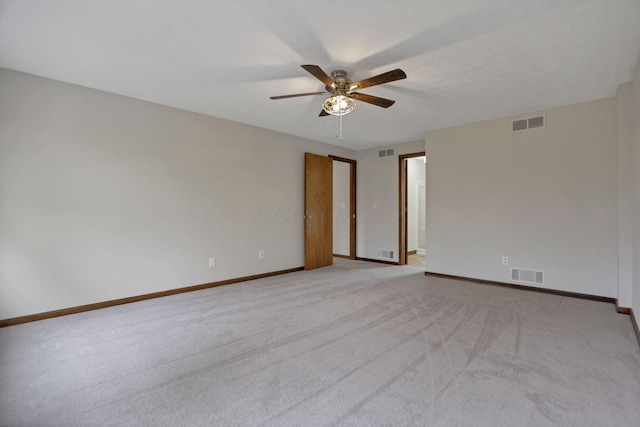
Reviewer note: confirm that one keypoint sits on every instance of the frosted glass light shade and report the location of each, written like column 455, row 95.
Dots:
column 339, row 105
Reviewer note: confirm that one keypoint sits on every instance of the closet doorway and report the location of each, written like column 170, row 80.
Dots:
column 344, row 207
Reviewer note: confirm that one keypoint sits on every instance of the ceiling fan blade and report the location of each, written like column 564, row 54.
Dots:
column 317, row 72
column 323, row 113
column 297, row 94
column 375, row 100
column 389, row 76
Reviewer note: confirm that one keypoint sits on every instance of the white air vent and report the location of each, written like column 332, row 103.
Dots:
column 387, row 152
column 385, row 253
column 527, row 124
column 532, row 277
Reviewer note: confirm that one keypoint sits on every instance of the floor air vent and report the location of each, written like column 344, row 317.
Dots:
column 385, row 253
column 532, row 277
column 527, row 124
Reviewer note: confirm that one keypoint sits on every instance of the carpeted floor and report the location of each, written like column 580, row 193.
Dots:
column 355, row 344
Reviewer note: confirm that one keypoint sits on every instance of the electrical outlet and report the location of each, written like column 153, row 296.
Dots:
column 261, row 253
column 505, row 260
column 212, row 262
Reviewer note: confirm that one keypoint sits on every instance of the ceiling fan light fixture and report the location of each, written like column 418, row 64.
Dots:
column 339, row 105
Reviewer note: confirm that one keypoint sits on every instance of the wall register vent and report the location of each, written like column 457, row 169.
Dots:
column 387, row 152
column 385, row 253
column 531, row 277
column 527, row 124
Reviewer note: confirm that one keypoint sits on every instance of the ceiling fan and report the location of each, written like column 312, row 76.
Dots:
column 342, row 89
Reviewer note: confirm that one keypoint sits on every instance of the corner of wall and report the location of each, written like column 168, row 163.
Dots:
column 635, row 253
column 624, row 113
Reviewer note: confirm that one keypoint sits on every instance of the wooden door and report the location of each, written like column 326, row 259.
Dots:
column 318, row 205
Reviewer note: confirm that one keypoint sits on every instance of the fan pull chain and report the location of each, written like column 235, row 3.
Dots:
column 342, row 110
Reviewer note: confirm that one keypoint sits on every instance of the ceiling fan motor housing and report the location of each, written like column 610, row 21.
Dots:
column 340, row 82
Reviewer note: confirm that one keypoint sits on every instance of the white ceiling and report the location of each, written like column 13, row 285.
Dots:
column 466, row 60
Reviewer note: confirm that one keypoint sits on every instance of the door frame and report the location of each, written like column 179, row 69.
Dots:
column 352, row 206
column 402, row 205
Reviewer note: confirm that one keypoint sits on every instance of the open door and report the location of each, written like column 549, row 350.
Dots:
column 318, row 206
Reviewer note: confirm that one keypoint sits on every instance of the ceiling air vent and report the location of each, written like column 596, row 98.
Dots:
column 527, row 124
column 387, row 152
column 532, row 277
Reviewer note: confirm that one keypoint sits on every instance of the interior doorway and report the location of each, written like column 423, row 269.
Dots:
column 344, row 207
column 412, row 206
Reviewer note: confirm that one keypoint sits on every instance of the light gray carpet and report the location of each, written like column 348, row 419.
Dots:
column 355, row 344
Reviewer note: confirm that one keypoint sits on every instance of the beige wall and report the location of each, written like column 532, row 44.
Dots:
column 636, row 191
column 104, row 197
column 377, row 202
column 546, row 198
column 625, row 193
